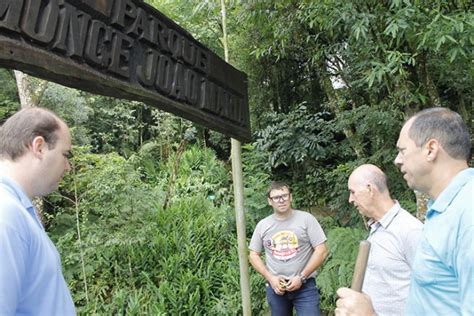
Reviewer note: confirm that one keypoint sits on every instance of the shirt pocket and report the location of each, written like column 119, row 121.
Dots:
column 428, row 269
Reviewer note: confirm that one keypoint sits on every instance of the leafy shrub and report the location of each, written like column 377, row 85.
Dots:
column 337, row 271
column 137, row 258
column 257, row 175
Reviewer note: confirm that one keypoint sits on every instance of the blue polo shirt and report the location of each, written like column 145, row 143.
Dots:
column 443, row 269
column 31, row 279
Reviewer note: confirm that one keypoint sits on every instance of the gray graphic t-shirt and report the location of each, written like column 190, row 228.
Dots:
column 288, row 243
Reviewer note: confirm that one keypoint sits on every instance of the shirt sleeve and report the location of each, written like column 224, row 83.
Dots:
column 256, row 243
column 12, row 268
column 315, row 232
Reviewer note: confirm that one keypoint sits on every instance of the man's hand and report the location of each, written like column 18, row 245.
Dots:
column 294, row 284
column 278, row 284
column 353, row 303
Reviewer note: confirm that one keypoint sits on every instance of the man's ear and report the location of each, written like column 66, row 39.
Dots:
column 370, row 188
column 432, row 148
column 38, row 146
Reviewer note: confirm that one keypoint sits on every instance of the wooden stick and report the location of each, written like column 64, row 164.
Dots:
column 360, row 266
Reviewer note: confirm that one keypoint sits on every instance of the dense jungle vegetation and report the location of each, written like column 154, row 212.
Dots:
column 145, row 222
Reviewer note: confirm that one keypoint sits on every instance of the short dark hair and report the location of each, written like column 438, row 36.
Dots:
column 444, row 125
column 18, row 131
column 277, row 185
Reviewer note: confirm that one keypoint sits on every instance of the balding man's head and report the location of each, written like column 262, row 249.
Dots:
column 370, row 174
column 17, row 133
column 367, row 188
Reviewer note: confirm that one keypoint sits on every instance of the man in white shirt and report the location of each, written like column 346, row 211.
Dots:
column 394, row 236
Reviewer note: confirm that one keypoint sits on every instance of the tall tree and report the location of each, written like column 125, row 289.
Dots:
column 30, row 96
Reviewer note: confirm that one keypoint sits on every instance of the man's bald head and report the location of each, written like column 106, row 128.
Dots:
column 368, row 191
column 370, row 174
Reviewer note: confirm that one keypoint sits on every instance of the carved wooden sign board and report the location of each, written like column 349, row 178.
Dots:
column 125, row 49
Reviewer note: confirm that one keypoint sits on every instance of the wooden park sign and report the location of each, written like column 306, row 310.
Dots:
column 125, row 49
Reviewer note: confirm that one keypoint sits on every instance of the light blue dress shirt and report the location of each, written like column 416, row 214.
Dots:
column 31, row 279
column 443, row 269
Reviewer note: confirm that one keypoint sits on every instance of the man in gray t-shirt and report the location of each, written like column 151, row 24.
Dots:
column 295, row 246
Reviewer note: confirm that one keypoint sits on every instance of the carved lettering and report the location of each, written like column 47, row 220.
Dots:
column 147, row 56
column 208, row 96
column 175, row 43
column 102, row 6
column 177, row 87
column 189, row 53
column 124, row 14
column 140, row 28
column 192, row 82
column 224, row 103
column 72, row 31
column 219, row 101
column 10, row 13
column 164, row 75
column 98, row 42
column 202, row 62
column 160, row 34
column 40, row 19
column 146, row 71
column 120, row 57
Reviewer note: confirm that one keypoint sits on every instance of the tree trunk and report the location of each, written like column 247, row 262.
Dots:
column 334, row 100
column 24, row 92
column 421, row 205
column 426, row 81
column 29, row 99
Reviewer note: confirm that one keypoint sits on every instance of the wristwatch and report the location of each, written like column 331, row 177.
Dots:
column 302, row 278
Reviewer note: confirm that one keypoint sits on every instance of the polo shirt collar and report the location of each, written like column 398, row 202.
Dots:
column 390, row 215
column 15, row 189
column 447, row 195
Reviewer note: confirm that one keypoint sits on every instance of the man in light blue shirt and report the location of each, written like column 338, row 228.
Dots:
column 34, row 149
column 434, row 148
column 443, row 265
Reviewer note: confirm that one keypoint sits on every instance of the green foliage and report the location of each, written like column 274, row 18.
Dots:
column 382, row 152
column 9, row 102
column 70, row 104
column 200, row 18
column 7, row 108
column 301, row 147
column 134, row 256
column 193, row 171
column 310, row 153
column 257, row 175
column 337, row 271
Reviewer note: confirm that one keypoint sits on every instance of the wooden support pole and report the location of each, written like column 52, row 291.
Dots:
column 237, row 179
column 240, row 222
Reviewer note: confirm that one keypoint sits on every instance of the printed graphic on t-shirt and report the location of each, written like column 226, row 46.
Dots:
column 284, row 245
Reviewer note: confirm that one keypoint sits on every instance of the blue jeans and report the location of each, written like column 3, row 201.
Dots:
column 305, row 300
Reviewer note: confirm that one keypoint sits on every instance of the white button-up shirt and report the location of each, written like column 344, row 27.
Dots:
column 394, row 240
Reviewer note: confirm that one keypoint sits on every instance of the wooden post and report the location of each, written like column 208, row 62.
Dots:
column 360, row 266
column 240, row 222
column 238, row 197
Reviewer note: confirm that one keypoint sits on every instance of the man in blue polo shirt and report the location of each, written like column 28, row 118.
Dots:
column 434, row 148
column 34, row 149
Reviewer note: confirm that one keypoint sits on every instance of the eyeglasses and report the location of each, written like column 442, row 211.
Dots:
column 282, row 197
